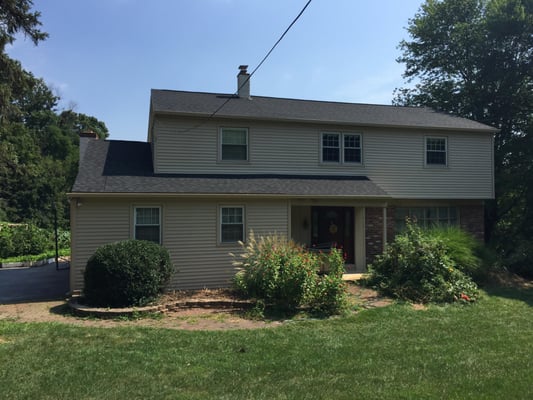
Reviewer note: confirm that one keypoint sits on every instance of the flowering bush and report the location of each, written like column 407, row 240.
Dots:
column 283, row 274
column 418, row 267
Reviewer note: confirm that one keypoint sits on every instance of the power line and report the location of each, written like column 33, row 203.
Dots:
column 256, row 68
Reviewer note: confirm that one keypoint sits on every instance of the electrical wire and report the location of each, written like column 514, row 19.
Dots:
column 255, row 69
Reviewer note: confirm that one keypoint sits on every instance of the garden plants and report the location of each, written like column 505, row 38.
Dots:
column 126, row 273
column 421, row 267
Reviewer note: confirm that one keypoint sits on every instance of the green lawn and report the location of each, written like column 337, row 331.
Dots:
column 483, row 351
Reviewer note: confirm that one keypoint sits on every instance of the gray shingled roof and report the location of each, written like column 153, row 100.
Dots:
column 126, row 167
column 271, row 108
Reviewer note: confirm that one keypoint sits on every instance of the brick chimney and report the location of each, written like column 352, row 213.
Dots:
column 85, row 137
column 243, row 82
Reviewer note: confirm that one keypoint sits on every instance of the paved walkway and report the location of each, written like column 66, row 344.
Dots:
column 33, row 284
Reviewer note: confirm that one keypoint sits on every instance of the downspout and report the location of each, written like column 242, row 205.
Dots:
column 384, row 227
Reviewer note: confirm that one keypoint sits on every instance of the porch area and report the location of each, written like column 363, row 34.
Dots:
column 321, row 227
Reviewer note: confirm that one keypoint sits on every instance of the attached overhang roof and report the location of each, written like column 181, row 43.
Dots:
column 122, row 167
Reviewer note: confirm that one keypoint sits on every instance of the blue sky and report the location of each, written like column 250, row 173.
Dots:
column 104, row 56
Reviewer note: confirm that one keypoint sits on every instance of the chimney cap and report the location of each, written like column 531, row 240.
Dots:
column 243, row 69
column 88, row 133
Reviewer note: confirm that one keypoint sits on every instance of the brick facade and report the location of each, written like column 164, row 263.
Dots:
column 373, row 232
column 471, row 219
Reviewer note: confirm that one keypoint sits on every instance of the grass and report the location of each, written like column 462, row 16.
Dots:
column 453, row 352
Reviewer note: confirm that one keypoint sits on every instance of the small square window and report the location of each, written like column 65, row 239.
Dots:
column 231, row 224
column 234, row 144
column 436, row 151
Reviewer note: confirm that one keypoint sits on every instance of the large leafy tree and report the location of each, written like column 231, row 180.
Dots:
column 38, row 145
column 474, row 58
column 16, row 17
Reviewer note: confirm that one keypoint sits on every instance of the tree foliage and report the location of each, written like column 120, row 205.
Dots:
column 474, row 58
column 38, row 144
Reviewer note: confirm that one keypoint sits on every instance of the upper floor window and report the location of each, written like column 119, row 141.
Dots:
column 147, row 222
column 234, row 144
column 341, row 148
column 436, row 151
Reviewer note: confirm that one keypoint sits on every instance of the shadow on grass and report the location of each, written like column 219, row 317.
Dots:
column 522, row 293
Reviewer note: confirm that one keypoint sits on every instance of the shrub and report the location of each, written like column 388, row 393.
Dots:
column 462, row 248
column 330, row 289
column 418, row 267
column 277, row 271
column 23, row 239
column 284, row 275
column 126, row 273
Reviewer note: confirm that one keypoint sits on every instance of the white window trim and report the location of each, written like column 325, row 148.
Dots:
column 341, row 148
column 219, row 219
column 220, row 133
column 135, row 220
column 445, row 165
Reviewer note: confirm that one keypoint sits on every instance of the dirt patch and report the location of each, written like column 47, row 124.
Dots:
column 189, row 310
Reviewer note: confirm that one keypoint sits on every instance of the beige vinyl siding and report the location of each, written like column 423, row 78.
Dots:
column 189, row 231
column 93, row 224
column 392, row 158
column 396, row 164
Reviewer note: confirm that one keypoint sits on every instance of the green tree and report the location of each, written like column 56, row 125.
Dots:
column 38, row 145
column 15, row 17
column 474, row 58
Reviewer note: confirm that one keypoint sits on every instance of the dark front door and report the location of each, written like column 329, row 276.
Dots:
column 334, row 227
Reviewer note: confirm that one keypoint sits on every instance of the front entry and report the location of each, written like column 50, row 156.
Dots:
column 333, row 227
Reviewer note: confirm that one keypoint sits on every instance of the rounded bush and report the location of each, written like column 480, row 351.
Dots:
column 126, row 273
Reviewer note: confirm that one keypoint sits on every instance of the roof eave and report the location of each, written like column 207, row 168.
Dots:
column 202, row 115
column 226, row 195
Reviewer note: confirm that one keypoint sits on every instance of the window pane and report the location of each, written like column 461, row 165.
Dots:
column 231, row 233
column 232, row 215
column 431, row 213
column 330, row 140
column 352, row 141
column 436, row 158
column 330, row 154
column 234, row 152
column 352, row 155
column 234, row 136
column 147, row 216
column 150, row 233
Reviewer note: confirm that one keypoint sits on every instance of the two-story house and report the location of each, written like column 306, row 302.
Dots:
column 216, row 167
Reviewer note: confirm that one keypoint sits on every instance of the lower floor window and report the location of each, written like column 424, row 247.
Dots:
column 148, row 224
column 231, row 224
column 426, row 216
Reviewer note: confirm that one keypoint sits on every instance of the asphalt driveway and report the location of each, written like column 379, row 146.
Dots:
column 33, row 284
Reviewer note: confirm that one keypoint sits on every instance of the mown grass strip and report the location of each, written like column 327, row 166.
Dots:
column 454, row 352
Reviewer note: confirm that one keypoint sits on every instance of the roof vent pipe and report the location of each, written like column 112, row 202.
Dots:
column 243, row 82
